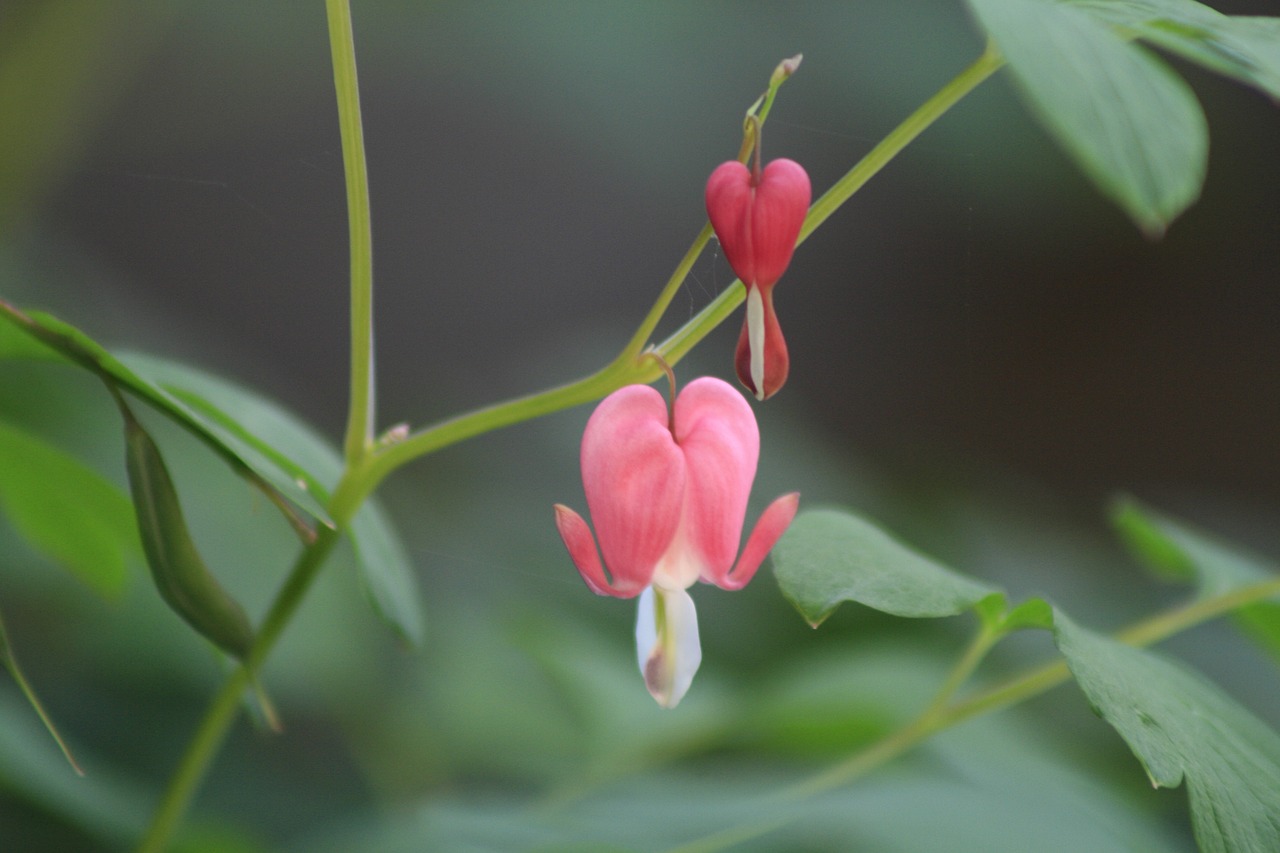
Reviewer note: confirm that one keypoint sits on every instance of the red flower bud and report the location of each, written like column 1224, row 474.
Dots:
column 757, row 218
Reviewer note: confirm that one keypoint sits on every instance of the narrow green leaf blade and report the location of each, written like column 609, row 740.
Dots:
column 66, row 510
column 1177, row 551
column 224, row 435
column 1133, row 126
column 260, row 428
column 10, row 662
column 1245, row 49
column 1180, row 726
column 254, row 435
column 830, row 556
column 386, row 572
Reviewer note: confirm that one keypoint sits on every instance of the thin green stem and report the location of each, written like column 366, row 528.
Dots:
column 650, row 322
column 1145, row 633
column 968, row 663
column 359, row 435
column 627, row 367
column 692, row 332
column 940, row 716
column 225, row 706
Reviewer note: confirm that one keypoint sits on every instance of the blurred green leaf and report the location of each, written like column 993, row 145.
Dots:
column 233, row 441
column 246, row 419
column 10, row 662
column 256, row 436
column 15, row 343
column 913, row 810
column 1246, row 49
column 1182, row 727
column 385, row 571
column 1179, row 552
column 1131, row 124
column 830, row 556
column 66, row 510
column 1032, row 613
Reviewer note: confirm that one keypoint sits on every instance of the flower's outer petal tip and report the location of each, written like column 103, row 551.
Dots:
column 581, row 544
column 773, row 522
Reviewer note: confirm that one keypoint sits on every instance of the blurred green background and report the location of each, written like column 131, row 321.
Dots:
column 983, row 351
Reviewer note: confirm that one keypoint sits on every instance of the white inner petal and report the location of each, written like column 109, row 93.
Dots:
column 755, row 338
column 668, row 647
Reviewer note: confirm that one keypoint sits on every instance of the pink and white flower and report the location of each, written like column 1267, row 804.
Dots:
column 668, row 496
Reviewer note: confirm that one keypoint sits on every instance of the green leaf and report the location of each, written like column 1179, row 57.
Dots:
column 1182, row 727
column 995, row 614
column 1179, row 552
column 1245, row 49
column 1131, row 124
column 15, row 343
column 10, row 662
column 67, row 511
column 386, row 572
column 258, row 438
column 233, row 441
column 252, row 421
column 830, row 556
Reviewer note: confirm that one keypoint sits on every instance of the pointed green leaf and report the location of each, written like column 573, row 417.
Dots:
column 1179, row 552
column 1183, row 727
column 67, row 511
column 1245, row 49
column 830, row 556
column 1133, row 126
column 10, row 662
column 233, row 441
column 386, row 572
column 256, row 436
column 252, row 421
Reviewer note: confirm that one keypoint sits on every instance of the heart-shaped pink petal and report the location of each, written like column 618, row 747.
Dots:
column 758, row 221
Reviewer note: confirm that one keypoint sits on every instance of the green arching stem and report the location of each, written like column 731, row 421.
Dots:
column 225, row 706
column 359, row 435
column 942, row 714
column 628, row 367
column 368, row 464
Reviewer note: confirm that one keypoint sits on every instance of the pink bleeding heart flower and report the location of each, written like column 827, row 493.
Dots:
column 668, row 497
column 757, row 217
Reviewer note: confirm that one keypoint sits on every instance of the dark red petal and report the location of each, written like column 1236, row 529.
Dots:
column 776, row 362
column 729, row 201
column 779, row 207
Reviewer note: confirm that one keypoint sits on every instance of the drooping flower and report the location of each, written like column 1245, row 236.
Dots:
column 757, row 215
column 668, row 496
